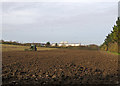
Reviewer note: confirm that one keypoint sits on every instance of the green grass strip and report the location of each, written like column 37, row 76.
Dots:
column 113, row 53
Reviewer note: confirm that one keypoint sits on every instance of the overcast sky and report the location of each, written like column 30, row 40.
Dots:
column 78, row 22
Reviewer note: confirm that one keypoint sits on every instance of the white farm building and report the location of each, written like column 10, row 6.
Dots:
column 66, row 44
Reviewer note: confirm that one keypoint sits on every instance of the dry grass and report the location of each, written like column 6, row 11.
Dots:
column 6, row 47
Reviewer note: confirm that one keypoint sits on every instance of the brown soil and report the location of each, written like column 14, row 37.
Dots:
column 59, row 67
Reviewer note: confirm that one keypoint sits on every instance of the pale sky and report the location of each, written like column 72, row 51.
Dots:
column 78, row 22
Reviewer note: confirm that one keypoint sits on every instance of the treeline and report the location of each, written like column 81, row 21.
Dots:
column 47, row 44
column 10, row 42
column 112, row 41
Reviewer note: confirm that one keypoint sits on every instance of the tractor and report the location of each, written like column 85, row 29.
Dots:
column 32, row 48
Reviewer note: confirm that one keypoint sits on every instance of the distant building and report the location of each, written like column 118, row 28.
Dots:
column 43, row 45
column 53, row 44
column 37, row 44
column 66, row 44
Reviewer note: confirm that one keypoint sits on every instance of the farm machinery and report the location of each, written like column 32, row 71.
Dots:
column 32, row 48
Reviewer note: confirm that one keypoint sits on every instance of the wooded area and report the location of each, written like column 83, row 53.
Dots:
column 112, row 41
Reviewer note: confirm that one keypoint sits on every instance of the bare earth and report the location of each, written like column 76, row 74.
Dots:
column 61, row 66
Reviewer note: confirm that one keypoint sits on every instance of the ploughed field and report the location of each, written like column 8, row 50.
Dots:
column 60, row 66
